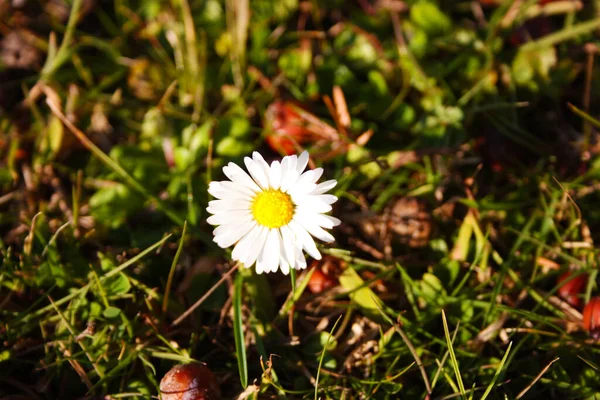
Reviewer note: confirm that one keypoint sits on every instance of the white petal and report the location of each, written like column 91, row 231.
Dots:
column 230, row 237
column 242, row 248
column 258, row 158
column 216, row 190
column 307, row 177
column 318, row 173
column 324, row 221
column 260, row 161
column 284, row 266
column 222, row 191
column 316, row 203
column 289, row 174
column 325, row 186
column 304, row 184
column 307, row 241
column 257, row 173
column 216, row 206
column 268, row 260
column 232, row 226
column 227, row 189
column 286, row 166
column 315, row 230
column 300, row 261
column 311, row 206
column 237, row 175
column 288, row 242
column 227, row 217
column 260, row 267
column 256, row 247
column 293, row 160
column 333, row 220
column 274, row 246
column 275, row 175
column 325, row 198
column 302, row 161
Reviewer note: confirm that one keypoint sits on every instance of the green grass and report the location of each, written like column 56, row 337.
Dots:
column 464, row 139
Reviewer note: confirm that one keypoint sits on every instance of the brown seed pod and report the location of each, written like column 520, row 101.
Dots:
column 410, row 222
column 591, row 317
column 189, row 382
column 16, row 50
column 571, row 290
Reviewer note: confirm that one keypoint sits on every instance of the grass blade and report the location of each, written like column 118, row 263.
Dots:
column 238, row 330
column 453, row 360
column 409, row 345
column 323, row 356
column 172, row 271
column 497, row 374
column 587, row 117
column 563, row 35
column 28, row 316
column 295, row 293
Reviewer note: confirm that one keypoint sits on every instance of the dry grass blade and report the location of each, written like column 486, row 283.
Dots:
column 109, row 162
column 341, row 108
column 537, row 378
column 205, row 296
column 409, row 345
column 415, row 355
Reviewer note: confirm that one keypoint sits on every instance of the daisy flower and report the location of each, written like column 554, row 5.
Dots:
column 272, row 214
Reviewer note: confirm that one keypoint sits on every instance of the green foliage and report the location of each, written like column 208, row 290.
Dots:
column 427, row 16
column 463, row 136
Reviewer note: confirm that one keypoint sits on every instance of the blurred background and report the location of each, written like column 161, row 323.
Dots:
column 464, row 138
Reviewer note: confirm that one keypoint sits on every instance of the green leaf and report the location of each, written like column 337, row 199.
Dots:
column 430, row 18
column 534, row 63
column 55, row 135
column 432, row 290
column 111, row 312
column 112, row 205
column 360, row 294
column 232, row 147
column 148, row 167
column 117, row 285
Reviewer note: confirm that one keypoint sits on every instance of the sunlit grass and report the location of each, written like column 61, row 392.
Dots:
column 463, row 139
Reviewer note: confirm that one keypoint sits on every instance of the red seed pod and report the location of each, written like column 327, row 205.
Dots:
column 325, row 274
column 591, row 317
column 319, row 281
column 285, row 128
column 571, row 290
column 189, row 382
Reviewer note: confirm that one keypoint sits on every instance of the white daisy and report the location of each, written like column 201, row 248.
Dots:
column 271, row 214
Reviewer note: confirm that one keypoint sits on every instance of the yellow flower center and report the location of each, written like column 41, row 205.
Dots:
column 273, row 208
